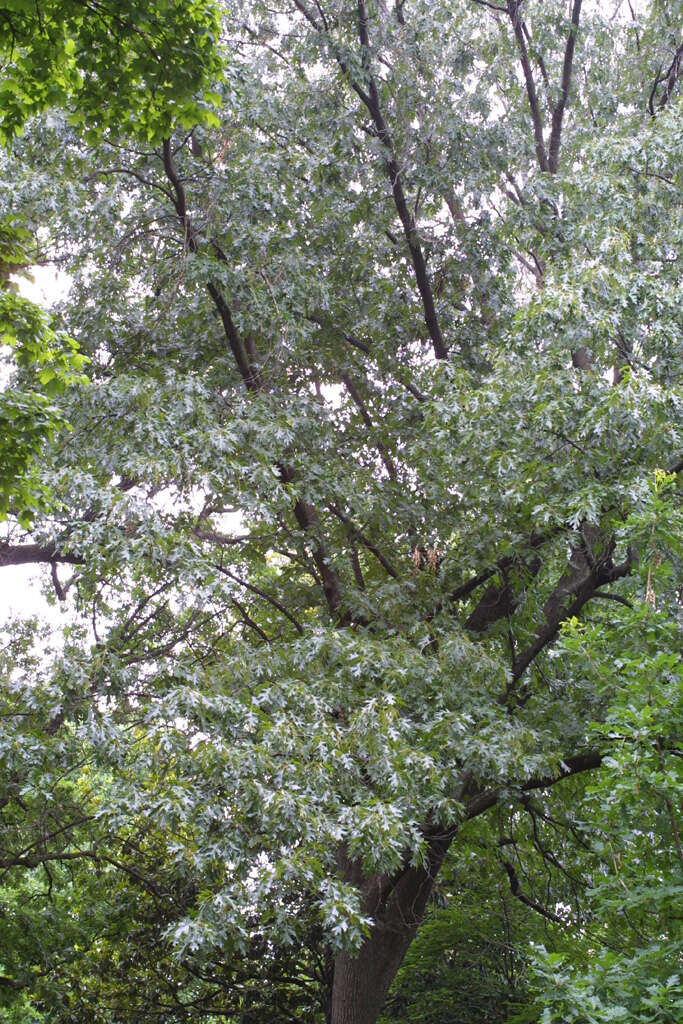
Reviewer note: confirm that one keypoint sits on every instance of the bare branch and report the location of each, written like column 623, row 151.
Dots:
column 387, row 460
column 358, row 533
column 493, row 7
column 516, row 890
column 247, row 619
column 611, row 597
column 262, row 593
column 106, row 171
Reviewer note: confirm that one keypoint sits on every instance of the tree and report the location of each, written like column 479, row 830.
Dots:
column 382, row 377
column 630, row 970
column 121, row 66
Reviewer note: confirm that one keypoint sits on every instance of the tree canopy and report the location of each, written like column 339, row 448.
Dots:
column 130, row 67
column 366, row 523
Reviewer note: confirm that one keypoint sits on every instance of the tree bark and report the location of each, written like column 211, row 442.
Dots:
column 397, row 904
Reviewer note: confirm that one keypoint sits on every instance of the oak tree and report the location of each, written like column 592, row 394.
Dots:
column 367, row 518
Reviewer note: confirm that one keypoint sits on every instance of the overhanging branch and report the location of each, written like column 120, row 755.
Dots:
column 570, row 767
column 28, row 554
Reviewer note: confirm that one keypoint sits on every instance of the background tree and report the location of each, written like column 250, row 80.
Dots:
column 121, row 66
column 381, row 425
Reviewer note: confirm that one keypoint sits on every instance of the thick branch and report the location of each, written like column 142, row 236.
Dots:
column 558, row 112
column 368, row 94
column 27, row 554
column 575, row 588
column 672, row 76
column 307, row 518
column 305, row 515
column 371, row 100
column 518, row 28
column 308, row 15
column 35, row 860
column 248, row 374
column 570, row 766
column 500, row 600
column 502, row 566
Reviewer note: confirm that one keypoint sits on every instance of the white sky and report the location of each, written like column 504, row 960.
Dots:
column 20, row 592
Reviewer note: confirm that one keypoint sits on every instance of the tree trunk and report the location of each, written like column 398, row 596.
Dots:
column 397, row 904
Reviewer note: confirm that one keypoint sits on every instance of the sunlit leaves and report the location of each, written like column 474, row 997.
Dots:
column 127, row 67
column 47, row 363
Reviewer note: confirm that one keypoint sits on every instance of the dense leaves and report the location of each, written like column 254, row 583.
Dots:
column 119, row 67
column 128, row 65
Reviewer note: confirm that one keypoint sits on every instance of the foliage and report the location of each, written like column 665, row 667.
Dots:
column 367, row 523
column 630, row 970
column 132, row 67
column 128, row 66
column 103, row 952
column 49, row 363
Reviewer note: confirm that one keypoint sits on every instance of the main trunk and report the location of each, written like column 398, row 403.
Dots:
column 361, row 983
